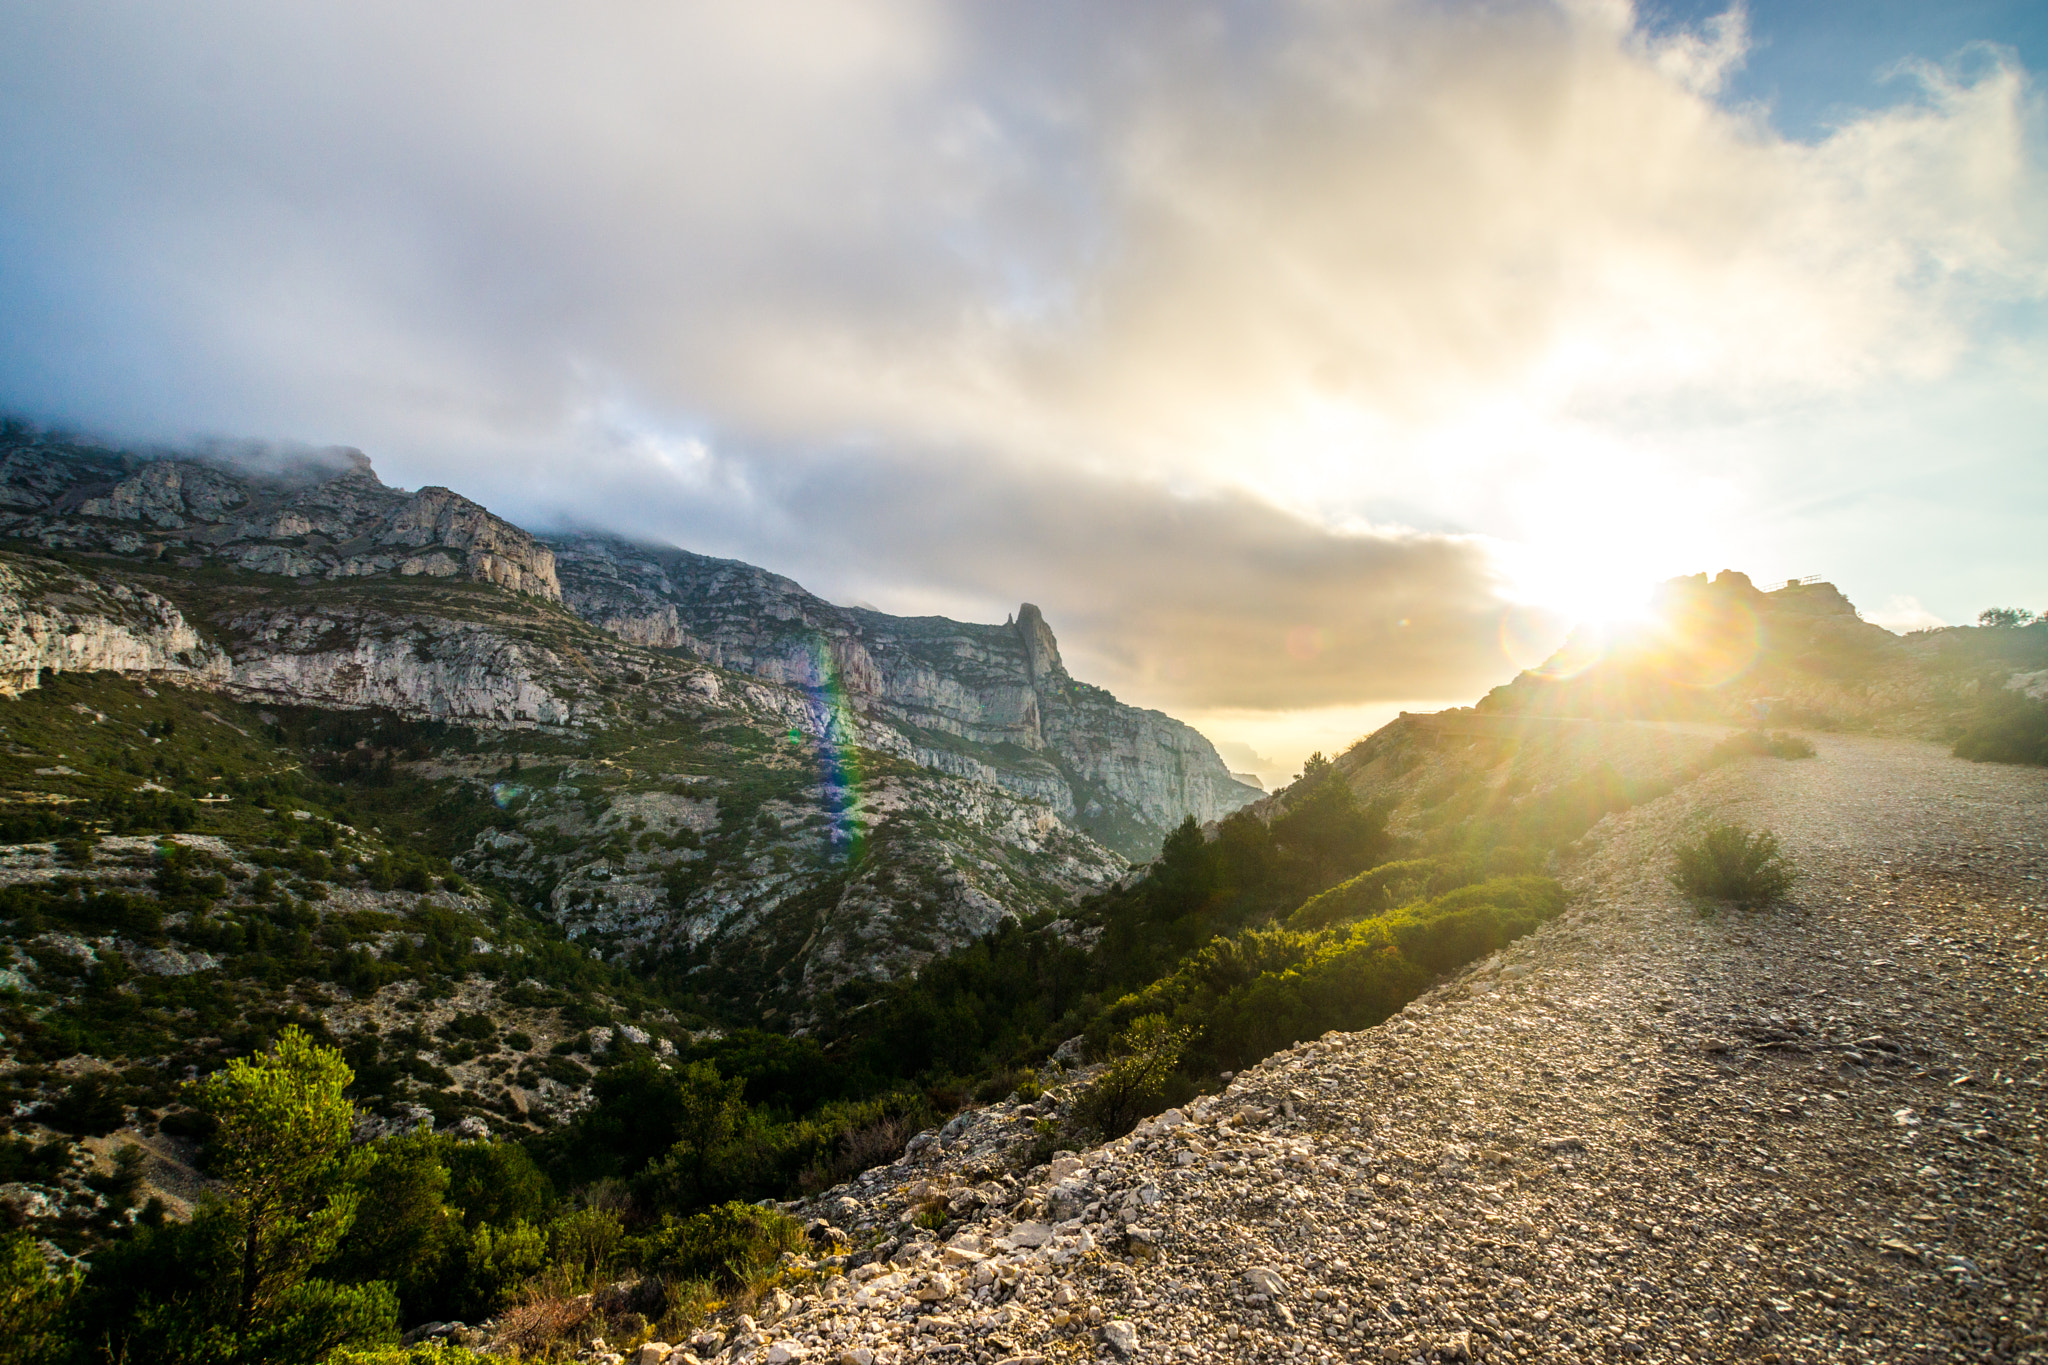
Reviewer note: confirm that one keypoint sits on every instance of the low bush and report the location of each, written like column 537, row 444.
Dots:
column 731, row 1245
column 1403, row 883
column 89, row 1107
column 425, row 1353
column 1748, row 743
column 1144, row 1058
column 2011, row 730
column 1248, row 995
column 33, row 1297
column 1728, row 863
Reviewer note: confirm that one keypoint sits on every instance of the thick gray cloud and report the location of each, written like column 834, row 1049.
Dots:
column 1235, row 334
column 1202, row 601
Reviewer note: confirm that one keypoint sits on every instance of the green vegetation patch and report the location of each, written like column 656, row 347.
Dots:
column 2012, row 729
column 1728, row 863
column 1250, row 994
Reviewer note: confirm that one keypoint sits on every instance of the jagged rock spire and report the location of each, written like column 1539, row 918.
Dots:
column 1040, row 648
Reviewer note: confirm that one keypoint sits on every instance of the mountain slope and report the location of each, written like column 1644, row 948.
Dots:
column 1638, row 1133
column 793, row 802
column 992, row 702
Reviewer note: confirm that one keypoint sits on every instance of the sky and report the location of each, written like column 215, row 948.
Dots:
column 1304, row 361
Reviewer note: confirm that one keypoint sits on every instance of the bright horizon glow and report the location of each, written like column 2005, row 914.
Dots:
column 1287, row 738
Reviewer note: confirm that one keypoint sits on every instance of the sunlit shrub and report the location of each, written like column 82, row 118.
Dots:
column 1728, row 863
column 730, row 1245
column 1144, row 1057
column 2013, row 729
column 1777, row 744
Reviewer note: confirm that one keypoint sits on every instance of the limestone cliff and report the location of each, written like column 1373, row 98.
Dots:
column 55, row 619
column 319, row 515
column 994, row 702
column 988, row 782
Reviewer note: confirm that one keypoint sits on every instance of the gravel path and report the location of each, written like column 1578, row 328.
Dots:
column 1812, row 1134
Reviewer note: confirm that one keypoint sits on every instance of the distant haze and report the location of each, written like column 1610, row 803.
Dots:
column 1303, row 361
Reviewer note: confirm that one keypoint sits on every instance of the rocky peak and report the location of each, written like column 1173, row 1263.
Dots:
column 1811, row 599
column 1041, row 650
column 1729, row 651
column 494, row 551
column 296, row 513
column 992, row 702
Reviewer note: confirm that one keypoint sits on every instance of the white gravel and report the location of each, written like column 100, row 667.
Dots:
column 1811, row 1134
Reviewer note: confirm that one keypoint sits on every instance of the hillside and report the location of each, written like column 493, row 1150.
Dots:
column 262, row 548
column 1724, row 650
column 790, row 820
column 1812, row 1134
column 657, row 882
column 994, row 703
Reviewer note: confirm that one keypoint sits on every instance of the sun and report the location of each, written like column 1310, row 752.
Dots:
column 1582, row 587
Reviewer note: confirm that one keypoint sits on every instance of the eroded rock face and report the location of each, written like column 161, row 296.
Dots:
column 323, row 514
column 1012, row 758
column 436, row 669
column 1124, row 773
column 53, row 618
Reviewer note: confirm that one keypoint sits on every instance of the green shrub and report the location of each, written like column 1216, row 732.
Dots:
column 1251, row 994
column 2012, row 729
column 89, row 1107
column 1146, row 1054
column 1369, row 893
column 33, row 1298
column 586, row 1244
column 1728, row 863
column 36, row 1163
column 730, row 1245
column 1777, row 744
column 1407, row 881
column 497, row 1261
column 425, row 1353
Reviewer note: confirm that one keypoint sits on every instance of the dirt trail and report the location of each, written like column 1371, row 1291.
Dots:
column 1811, row 1134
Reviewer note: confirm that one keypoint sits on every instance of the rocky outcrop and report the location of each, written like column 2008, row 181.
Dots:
column 993, row 702
column 318, row 514
column 990, row 703
column 1727, row 651
column 426, row 668
column 54, row 619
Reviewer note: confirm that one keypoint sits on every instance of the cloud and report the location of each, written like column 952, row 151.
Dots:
column 1903, row 614
column 1235, row 334
column 1202, row 600
column 1241, row 757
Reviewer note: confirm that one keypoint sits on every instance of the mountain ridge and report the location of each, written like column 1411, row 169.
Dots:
column 989, row 685
column 952, row 696
column 782, row 824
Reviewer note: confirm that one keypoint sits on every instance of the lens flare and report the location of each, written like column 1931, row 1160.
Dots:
column 1582, row 649
column 832, row 721
column 1306, row 642
column 1706, row 640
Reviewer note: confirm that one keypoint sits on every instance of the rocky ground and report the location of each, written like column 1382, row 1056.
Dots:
column 1810, row 1134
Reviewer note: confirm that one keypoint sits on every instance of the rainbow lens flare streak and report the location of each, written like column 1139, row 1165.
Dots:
column 831, row 719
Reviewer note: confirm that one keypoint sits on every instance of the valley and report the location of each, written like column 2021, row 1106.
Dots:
column 645, row 898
